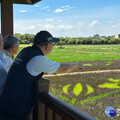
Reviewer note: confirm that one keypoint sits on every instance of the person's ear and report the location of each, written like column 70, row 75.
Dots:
column 46, row 46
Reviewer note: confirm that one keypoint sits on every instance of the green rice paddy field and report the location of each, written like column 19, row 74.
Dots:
column 77, row 53
column 94, row 88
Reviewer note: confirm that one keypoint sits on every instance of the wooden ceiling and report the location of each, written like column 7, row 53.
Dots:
column 24, row 1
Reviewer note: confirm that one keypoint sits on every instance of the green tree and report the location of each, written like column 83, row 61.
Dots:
column 19, row 36
column 27, row 38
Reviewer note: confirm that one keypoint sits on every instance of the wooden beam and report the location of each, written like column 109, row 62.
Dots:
column 20, row 2
column 29, row 1
column 26, row 1
column 6, row 17
column 35, row 1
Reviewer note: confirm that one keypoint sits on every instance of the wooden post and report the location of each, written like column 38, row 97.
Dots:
column 7, row 17
column 39, row 109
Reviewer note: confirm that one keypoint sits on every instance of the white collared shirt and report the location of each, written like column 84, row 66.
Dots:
column 6, row 58
column 40, row 64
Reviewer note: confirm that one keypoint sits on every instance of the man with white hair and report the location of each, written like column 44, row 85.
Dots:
column 3, row 70
column 10, row 48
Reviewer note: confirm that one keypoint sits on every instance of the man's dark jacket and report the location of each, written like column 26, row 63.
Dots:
column 17, row 100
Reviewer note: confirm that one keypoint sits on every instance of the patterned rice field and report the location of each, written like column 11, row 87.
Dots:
column 91, row 91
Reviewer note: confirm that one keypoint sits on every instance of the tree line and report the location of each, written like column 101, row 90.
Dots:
column 28, row 38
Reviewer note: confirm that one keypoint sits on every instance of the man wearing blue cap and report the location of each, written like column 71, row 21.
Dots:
column 17, row 100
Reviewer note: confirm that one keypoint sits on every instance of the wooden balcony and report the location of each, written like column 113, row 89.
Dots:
column 49, row 107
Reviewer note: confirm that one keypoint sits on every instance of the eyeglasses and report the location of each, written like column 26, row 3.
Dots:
column 53, row 44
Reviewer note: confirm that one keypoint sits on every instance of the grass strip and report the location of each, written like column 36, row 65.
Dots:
column 87, row 64
column 63, row 98
column 90, row 89
column 72, row 102
column 89, row 99
column 65, row 88
column 77, row 89
column 108, row 63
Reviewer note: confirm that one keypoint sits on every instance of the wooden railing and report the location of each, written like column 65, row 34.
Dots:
column 49, row 107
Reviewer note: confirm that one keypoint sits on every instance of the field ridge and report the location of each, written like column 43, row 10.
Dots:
column 87, row 72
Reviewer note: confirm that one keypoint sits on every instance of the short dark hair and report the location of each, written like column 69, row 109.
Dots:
column 9, row 41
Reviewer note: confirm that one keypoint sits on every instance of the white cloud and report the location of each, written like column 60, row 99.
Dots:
column 59, row 10
column 48, row 26
column 67, row 6
column 31, row 27
column 63, row 8
column 38, row 5
column 23, row 11
column 46, row 7
column 59, row 21
column 65, row 27
column 95, row 22
column 81, row 24
column 80, row 29
column 50, row 20
column 115, row 26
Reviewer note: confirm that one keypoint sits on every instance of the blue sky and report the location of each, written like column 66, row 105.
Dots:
column 69, row 18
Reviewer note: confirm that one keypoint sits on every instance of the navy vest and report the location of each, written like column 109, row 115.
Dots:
column 18, row 97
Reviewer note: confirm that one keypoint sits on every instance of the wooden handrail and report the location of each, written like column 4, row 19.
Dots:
column 49, row 107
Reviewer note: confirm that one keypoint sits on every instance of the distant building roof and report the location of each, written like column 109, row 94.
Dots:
column 24, row 1
column 117, row 35
column 96, row 36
